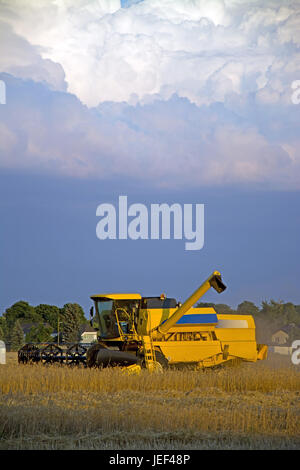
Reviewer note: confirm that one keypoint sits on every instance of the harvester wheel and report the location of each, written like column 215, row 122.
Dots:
column 161, row 359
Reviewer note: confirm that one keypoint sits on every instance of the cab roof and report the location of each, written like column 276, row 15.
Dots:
column 116, row 296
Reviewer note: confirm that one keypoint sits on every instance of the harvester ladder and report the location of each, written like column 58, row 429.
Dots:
column 149, row 352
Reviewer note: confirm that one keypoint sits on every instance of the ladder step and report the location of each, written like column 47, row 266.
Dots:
column 148, row 352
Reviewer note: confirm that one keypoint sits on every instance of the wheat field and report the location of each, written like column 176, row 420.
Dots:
column 252, row 406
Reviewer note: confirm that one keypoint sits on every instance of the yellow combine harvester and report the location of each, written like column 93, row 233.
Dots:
column 154, row 332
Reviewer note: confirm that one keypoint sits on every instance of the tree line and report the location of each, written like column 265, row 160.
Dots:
column 45, row 321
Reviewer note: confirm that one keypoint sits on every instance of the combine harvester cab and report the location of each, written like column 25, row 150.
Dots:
column 151, row 331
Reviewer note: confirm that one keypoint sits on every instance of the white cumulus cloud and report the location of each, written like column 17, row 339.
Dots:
column 202, row 50
column 170, row 91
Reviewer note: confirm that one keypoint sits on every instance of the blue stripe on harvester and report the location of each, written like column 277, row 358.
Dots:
column 198, row 318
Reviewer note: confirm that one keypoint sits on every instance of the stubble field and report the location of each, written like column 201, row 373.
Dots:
column 253, row 406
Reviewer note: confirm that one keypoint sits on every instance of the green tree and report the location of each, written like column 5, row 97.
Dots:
column 205, row 305
column 49, row 313
column 224, row 309
column 21, row 311
column 17, row 336
column 280, row 313
column 294, row 333
column 72, row 317
column 290, row 313
column 273, row 310
column 39, row 334
column 219, row 308
column 3, row 330
column 247, row 307
column 79, row 313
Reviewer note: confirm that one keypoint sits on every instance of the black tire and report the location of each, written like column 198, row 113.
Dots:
column 161, row 359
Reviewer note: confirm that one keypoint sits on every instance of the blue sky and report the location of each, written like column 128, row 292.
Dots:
column 50, row 253
column 163, row 101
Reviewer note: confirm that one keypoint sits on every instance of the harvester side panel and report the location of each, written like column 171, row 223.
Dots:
column 188, row 351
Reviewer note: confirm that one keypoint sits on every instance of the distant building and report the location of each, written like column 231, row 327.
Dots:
column 283, row 335
column 280, row 336
column 88, row 334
